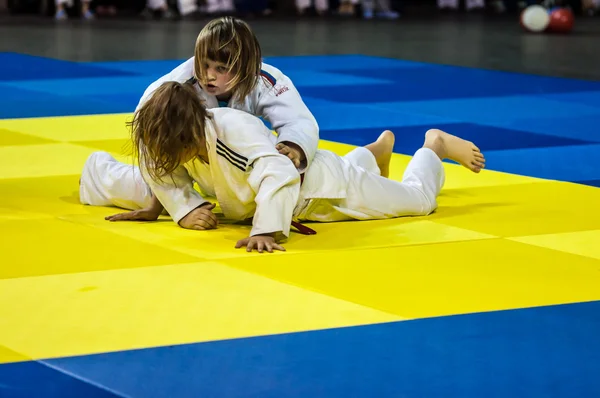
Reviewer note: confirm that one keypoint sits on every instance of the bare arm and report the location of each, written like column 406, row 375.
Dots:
column 150, row 213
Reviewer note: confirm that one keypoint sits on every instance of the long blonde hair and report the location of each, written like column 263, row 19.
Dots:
column 169, row 125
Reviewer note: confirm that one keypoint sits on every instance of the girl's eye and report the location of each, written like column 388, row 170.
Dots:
column 221, row 69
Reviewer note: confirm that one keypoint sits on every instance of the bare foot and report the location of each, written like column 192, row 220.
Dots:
column 382, row 149
column 448, row 146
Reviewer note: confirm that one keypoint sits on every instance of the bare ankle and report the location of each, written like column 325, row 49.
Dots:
column 435, row 142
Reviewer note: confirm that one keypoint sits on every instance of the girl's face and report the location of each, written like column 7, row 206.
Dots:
column 217, row 76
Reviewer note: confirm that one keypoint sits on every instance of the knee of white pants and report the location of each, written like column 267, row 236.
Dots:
column 89, row 192
column 425, row 174
column 108, row 182
column 371, row 196
column 429, row 203
column 364, row 158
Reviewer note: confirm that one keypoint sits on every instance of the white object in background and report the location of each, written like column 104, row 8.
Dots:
column 535, row 18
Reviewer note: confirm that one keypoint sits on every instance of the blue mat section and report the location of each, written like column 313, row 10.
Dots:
column 594, row 183
column 151, row 67
column 530, row 353
column 568, row 163
column 583, row 127
column 493, row 111
column 511, row 116
column 25, row 67
column 34, row 379
column 20, row 103
column 586, row 98
column 347, row 117
column 327, row 80
column 85, row 87
column 340, row 62
column 410, row 137
column 461, row 82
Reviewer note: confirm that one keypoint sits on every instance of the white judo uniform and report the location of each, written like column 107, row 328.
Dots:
column 274, row 99
column 250, row 179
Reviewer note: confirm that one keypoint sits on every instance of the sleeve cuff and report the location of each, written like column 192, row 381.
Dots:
column 183, row 211
column 307, row 154
column 279, row 232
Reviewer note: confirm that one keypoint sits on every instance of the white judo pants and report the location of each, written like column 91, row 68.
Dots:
column 371, row 196
column 108, row 182
column 470, row 4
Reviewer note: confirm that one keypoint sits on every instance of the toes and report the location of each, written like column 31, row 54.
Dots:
column 478, row 164
column 479, row 158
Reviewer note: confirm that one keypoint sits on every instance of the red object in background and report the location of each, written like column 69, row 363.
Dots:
column 561, row 21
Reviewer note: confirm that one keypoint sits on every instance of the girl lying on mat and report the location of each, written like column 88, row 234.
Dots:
column 233, row 157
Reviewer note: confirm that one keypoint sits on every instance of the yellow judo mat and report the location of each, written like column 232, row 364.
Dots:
column 73, row 283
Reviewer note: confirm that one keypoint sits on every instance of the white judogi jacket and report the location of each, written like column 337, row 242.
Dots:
column 248, row 176
column 275, row 99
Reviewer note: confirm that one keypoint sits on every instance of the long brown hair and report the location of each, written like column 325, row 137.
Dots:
column 170, row 125
column 230, row 41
